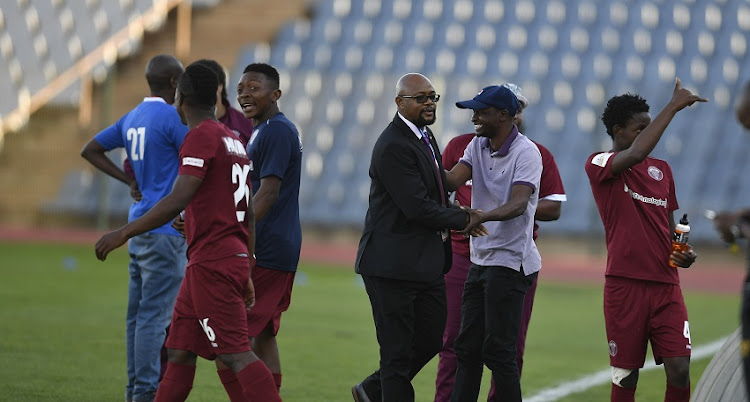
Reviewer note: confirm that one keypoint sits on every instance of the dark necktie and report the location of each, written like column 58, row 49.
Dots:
column 437, row 169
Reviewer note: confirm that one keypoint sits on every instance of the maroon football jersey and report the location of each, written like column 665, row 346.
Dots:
column 215, row 224
column 550, row 185
column 635, row 206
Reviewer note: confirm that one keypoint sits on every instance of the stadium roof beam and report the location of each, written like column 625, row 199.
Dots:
column 82, row 69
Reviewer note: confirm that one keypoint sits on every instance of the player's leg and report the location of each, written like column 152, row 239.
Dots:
column 162, row 261
column 625, row 318
column 273, row 295
column 504, row 296
column 222, row 319
column 253, row 375
column 178, row 379
column 468, row 344
column 678, row 379
column 528, row 305
column 454, row 287
column 230, row 382
column 134, row 301
column 670, row 338
column 266, row 348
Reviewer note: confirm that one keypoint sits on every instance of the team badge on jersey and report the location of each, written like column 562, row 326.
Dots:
column 655, row 173
column 612, row 348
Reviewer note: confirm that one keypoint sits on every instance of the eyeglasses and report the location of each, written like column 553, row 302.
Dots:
column 422, row 98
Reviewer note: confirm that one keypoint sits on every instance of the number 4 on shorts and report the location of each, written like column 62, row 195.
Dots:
column 686, row 332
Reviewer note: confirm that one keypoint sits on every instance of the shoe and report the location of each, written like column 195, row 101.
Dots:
column 358, row 392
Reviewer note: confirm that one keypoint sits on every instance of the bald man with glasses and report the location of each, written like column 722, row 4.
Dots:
column 405, row 247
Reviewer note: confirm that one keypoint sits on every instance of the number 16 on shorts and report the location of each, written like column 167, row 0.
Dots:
column 212, row 336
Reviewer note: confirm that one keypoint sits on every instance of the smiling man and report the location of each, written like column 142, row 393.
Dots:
column 405, row 247
column 275, row 152
column 505, row 168
column 635, row 195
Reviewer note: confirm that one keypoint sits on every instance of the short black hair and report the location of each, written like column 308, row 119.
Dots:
column 265, row 69
column 198, row 85
column 620, row 109
column 220, row 74
column 161, row 70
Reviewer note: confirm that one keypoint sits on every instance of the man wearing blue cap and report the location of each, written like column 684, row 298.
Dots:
column 505, row 168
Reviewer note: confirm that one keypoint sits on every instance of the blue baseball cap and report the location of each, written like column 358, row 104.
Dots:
column 498, row 96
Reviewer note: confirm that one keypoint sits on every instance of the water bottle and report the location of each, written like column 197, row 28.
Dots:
column 680, row 237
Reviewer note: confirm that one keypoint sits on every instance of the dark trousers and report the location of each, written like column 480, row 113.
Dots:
column 409, row 322
column 491, row 317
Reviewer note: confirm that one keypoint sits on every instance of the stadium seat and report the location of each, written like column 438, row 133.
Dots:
column 568, row 56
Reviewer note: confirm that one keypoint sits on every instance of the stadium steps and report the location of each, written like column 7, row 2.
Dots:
column 34, row 161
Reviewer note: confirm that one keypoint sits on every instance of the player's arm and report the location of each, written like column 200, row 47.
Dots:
column 457, row 176
column 520, row 195
column 266, row 196
column 250, row 221
column 96, row 155
column 646, row 141
column 548, row 210
column 683, row 259
column 164, row 211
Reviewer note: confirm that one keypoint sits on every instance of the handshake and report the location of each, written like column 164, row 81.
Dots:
column 474, row 220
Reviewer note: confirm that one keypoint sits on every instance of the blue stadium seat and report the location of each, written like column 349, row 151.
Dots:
column 570, row 57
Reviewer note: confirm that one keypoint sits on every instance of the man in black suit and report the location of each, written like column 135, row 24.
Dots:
column 405, row 249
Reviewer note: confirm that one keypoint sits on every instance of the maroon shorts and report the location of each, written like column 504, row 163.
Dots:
column 273, row 293
column 636, row 312
column 209, row 314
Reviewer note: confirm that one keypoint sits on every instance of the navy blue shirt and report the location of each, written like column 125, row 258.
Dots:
column 275, row 149
column 151, row 134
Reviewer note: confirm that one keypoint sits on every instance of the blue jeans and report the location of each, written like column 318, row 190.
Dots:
column 157, row 266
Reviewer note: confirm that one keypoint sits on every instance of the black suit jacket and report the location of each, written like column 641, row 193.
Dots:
column 401, row 238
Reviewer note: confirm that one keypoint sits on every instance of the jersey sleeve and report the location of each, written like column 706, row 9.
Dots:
column 468, row 156
column 111, row 137
column 276, row 147
column 528, row 169
column 598, row 167
column 196, row 154
column 451, row 154
column 550, row 186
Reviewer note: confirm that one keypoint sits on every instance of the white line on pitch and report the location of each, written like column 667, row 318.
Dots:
column 604, row 376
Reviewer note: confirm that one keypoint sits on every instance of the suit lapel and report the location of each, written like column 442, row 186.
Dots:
column 422, row 147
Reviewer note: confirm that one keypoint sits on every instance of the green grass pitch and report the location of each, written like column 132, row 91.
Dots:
column 62, row 324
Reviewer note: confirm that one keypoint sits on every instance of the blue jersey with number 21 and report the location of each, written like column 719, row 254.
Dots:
column 151, row 135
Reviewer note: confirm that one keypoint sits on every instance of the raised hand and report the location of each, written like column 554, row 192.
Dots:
column 682, row 97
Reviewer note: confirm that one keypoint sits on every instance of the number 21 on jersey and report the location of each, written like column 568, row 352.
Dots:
column 239, row 177
column 137, row 139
